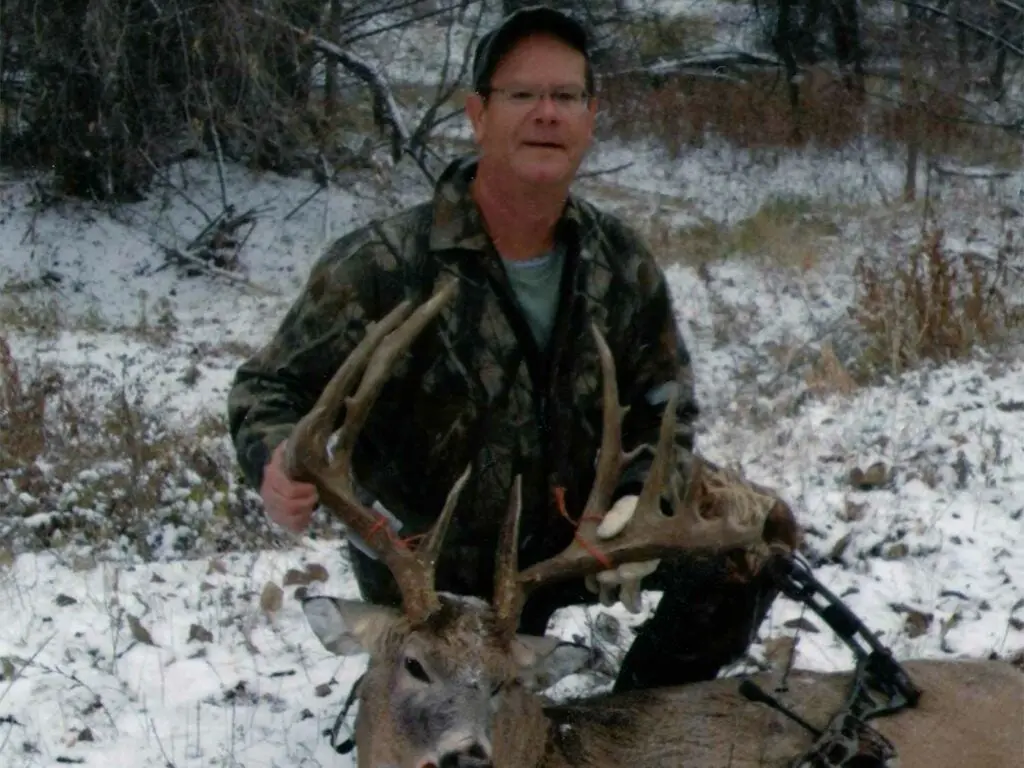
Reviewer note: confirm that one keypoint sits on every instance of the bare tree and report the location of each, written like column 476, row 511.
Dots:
column 114, row 89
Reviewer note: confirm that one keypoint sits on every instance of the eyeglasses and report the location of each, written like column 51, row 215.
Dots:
column 565, row 98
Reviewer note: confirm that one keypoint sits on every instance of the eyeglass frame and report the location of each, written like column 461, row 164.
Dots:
column 579, row 100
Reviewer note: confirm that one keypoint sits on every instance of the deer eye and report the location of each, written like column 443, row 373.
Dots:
column 414, row 668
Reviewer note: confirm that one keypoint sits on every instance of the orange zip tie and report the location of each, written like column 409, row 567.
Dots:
column 408, row 540
column 378, row 526
column 382, row 525
column 597, row 554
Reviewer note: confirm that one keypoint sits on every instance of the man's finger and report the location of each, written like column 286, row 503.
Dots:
column 286, row 487
column 615, row 519
column 285, row 511
column 293, row 519
column 631, row 596
column 282, row 499
column 638, row 571
column 298, row 496
column 608, row 594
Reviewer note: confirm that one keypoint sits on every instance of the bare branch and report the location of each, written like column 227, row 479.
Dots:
column 962, row 22
column 366, row 73
column 604, row 171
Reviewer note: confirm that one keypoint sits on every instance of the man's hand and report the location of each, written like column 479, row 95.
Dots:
column 622, row 583
column 286, row 502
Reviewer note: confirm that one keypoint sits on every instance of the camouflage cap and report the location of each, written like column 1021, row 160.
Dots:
column 525, row 21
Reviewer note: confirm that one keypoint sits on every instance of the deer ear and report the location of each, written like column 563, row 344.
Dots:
column 546, row 660
column 348, row 627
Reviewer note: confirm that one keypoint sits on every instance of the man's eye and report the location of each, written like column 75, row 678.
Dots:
column 522, row 95
column 414, row 668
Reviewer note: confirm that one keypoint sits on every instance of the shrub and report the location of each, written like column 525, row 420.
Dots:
column 932, row 305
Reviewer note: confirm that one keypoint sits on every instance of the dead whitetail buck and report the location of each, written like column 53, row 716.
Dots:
column 451, row 684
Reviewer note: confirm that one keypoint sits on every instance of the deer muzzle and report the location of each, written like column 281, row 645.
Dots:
column 475, row 756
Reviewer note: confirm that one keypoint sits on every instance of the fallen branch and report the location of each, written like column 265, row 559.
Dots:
column 215, row 249
column 709, row 64
column 971, row 173
column 604, row 171
column 184, row 257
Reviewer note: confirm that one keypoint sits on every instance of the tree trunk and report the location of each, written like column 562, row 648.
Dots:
column 910, row 96
column 846, row 37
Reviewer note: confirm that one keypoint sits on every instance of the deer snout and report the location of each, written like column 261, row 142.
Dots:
column 476, row 756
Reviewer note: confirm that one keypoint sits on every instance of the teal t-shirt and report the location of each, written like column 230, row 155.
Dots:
column 536, row 283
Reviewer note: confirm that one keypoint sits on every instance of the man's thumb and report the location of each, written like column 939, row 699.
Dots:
column 617, row 517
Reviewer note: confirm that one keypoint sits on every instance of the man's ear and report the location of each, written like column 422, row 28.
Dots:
column 546, row 660
column 348, row 627
column 475, row 107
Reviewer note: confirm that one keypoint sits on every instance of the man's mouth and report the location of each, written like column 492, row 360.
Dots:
column 544, row 144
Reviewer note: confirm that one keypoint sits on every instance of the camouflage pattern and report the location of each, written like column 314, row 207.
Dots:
column 476, row 388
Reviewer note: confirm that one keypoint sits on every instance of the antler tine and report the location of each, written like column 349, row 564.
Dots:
column 430, row 548
column 650, row 534
column 610, row 459
column 509, row 591
column 508, row 594
column 379, row 367
column 374, row 357
column 306, row 450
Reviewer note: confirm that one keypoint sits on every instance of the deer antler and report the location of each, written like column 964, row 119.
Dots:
column 306, row 453
column 650, row 533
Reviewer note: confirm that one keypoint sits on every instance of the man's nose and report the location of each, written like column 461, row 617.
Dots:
column 545, row 108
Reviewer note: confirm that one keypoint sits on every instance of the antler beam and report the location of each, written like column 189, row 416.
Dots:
column 366, row 369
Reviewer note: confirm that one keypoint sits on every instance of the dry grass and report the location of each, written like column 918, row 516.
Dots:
column 33, row 309
column 683, row 111
column 93, row 467
column 22, row 409
column 785, row 231
column 41, row 316
column 934, row 305
column 788, row 232
column 828, row 375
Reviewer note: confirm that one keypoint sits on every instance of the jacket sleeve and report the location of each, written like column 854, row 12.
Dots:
column 278, row 385
column 659, row 364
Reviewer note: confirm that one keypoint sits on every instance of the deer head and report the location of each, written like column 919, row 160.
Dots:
column 446, row 671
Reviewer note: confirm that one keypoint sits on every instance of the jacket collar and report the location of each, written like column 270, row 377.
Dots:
column 457, row 222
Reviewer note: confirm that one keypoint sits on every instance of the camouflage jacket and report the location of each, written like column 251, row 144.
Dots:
column 475, row 386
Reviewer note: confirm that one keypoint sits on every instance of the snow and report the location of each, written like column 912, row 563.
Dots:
column 92, row 691
column 932, row 559
column 942, row 540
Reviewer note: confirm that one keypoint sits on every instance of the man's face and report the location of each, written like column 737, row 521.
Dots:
column 537, row 140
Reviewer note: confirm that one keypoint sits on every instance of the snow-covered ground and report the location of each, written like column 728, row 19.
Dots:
column 177, row 660
column 178, row 653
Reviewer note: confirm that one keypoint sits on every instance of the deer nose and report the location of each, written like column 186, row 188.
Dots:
column 474, row 757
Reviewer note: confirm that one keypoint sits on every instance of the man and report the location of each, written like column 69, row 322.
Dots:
column 509, row 379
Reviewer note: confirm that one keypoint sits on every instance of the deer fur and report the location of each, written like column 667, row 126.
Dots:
column 971, row 714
